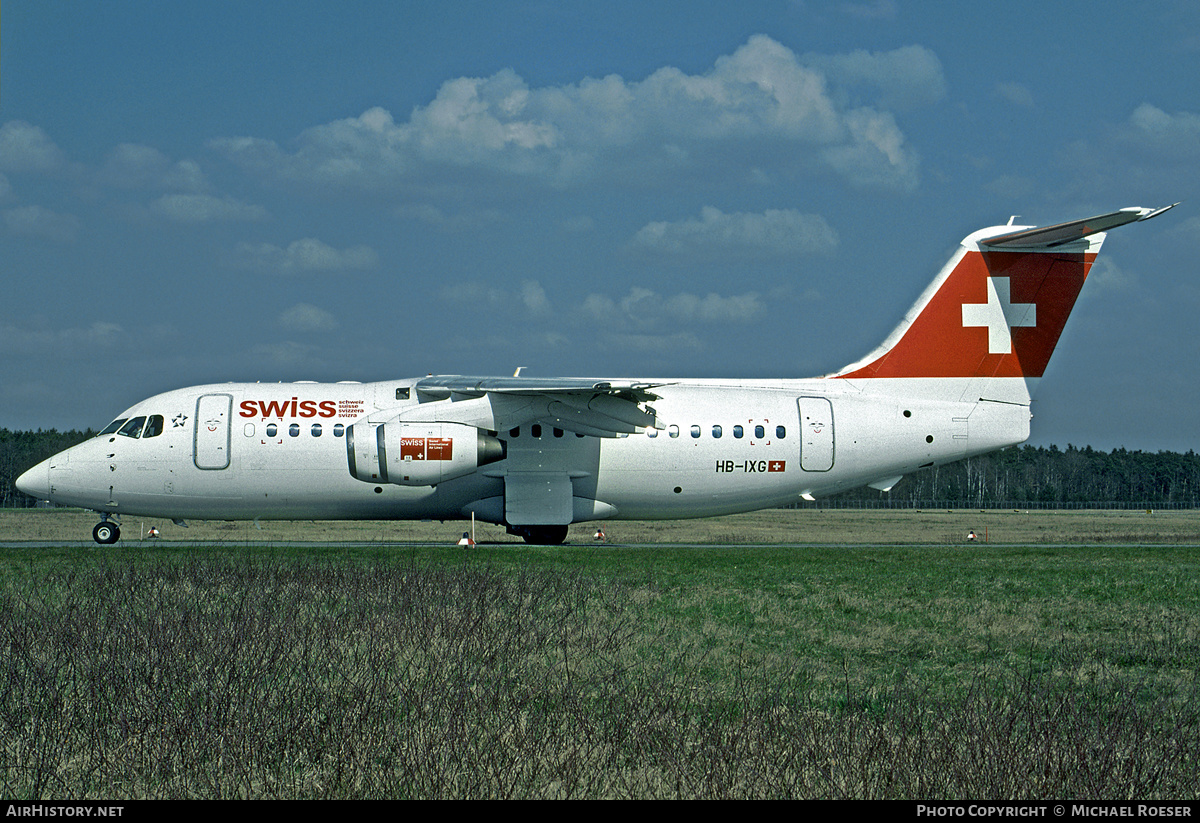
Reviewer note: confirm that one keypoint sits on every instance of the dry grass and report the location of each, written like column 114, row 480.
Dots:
column 272, row 677
column 1060, row 660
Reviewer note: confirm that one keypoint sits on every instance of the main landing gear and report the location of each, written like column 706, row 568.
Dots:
column 107, row 531
column 540, row 535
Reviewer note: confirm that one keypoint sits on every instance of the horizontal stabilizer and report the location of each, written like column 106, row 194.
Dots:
column 1046, row 237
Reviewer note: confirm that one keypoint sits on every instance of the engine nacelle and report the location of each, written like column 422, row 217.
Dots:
column 418, row 454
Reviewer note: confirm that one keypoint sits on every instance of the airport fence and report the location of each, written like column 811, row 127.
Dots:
column 1000, row 505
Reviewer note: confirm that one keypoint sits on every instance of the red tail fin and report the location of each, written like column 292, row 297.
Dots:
column 999, row 306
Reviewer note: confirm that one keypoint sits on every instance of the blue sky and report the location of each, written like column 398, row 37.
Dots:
column 211, row 191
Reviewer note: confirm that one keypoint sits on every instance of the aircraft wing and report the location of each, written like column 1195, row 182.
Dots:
column 446, row 385
column 601, row 408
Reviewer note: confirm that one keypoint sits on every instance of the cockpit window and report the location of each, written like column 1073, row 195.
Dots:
column 113, row 426
column 133, row 428
column 154, row 426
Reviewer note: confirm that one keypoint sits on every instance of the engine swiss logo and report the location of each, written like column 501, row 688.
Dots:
column 426, row 448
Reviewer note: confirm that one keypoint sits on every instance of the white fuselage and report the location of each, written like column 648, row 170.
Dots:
column 281, row 451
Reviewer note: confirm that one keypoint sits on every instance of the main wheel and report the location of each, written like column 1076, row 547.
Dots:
column 544, row 535
column 106, row 533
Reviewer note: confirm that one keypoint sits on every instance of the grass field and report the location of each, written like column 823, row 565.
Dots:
column 797, row 526
column 1058, row 660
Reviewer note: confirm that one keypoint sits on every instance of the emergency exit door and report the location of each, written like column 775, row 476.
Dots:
column 816, row 434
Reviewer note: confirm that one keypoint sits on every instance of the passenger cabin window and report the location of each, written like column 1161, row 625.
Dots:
column 780, row 432
column 272, row 430
column 737, row 432
column 673, row 430
column 339, row 430
column 716, row 431
column 316, row 429
column 294, row 430
column 759, row 432
column 695, row 431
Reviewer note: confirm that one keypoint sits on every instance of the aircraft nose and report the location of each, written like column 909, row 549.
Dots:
column 36, row 481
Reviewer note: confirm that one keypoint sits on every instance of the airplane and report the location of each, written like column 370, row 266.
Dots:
column 954, row 379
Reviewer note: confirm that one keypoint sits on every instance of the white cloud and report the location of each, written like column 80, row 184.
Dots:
column 461, row 296
column 36, row 221
column 1012, row 187
column 305, row 317
column 530, row 300
column 205, row 208
column 533, row 296
column 26, row 148
column 1015, row 93
column 1175, row 136
column 661, row 345
column 306, row 255
column 130, row 165
column 773, row 232
column 905, row 78
column 1187, row 231
column 287, row 353
column 61, row 342
column 644, row 308
column 1106, row 276
column 468, row 220
column 877, row 10
column 581, row 224
column 669, row 121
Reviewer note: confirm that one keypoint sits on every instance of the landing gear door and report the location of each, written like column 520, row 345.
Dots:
column 816, row 434
column 211, row 438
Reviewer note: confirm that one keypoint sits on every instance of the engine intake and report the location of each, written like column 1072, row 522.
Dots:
column 418, row 454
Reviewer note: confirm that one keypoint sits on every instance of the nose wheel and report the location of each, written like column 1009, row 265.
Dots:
column 106, row 533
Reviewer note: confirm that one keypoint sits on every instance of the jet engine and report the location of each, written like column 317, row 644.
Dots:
column 418, row 454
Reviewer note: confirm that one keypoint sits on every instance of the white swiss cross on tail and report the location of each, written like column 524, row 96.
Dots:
column 999, row 314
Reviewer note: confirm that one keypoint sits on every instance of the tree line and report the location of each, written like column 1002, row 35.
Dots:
column 21, row 450
column 1050, row 476
column 1022, row 474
